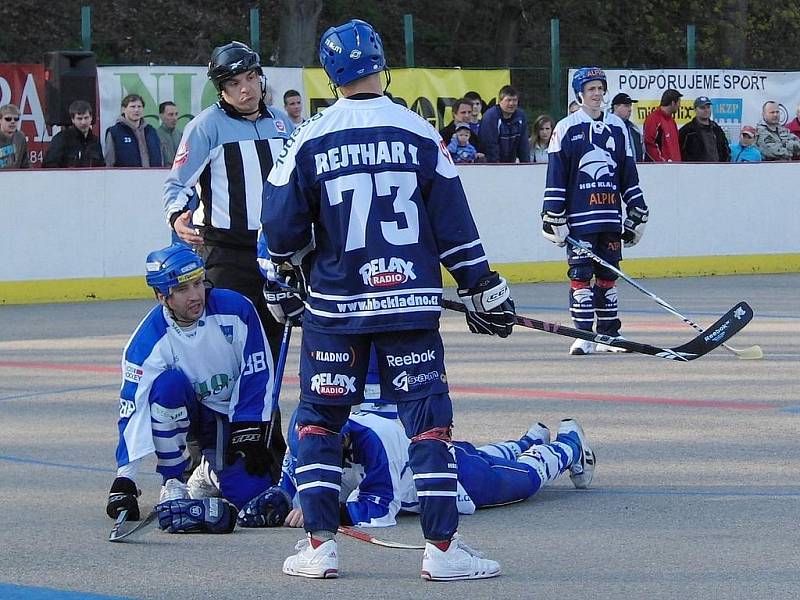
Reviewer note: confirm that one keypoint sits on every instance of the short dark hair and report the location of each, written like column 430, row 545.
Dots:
column 290, row 94
column 669, row 96
column 78, row 107
column 131, row 98
column 507, row 91
column 459, row 103
column 163, row 106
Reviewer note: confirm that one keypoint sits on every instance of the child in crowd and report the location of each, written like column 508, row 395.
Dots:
column 540, row 138
column 460, row 148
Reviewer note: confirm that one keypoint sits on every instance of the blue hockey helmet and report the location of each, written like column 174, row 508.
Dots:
column 172, row 266
column 351, row 51
column 586, row 74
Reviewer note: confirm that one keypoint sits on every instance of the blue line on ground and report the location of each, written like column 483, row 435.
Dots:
column 61, row 391
column 10, row 591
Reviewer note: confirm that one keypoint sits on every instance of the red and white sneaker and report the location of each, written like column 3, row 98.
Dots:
column 458, row 562
column 319, row 563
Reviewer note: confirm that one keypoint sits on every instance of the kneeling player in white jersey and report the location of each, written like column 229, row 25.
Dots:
column 198, row 365
column 377, row 483
column 591, row 173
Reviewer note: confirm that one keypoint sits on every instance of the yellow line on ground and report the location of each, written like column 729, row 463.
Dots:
column 129, row 288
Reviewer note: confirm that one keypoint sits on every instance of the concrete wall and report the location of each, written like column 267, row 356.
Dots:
column 101, row 223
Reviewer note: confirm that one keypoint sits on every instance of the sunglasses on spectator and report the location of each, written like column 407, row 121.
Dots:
column 9, row 119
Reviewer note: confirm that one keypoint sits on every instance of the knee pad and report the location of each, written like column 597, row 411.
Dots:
column 171, row 397
column 605, row 283
column 582, row 272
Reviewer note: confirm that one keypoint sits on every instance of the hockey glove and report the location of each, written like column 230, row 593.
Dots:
column 248, row 440
column 554, row 227
column 634, row 225
column 123, row 497
column 284, row 292
column 490, row 309
column 210, row 515
column 268, row 509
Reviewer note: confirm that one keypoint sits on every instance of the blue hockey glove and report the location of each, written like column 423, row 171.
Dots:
column 284, row 293
column 248, row 440
column 210, row 515
column 268, row 509
column 490, row 309
column 123, row 497
column 634, row 225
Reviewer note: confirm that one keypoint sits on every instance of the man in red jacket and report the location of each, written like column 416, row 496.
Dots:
column 661, row 132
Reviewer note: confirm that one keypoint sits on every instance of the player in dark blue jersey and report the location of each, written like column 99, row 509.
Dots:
column 368, row 193
column 591, row 175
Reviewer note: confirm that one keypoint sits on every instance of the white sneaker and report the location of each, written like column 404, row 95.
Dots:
column 322, row 563
column 580, row 347
column 606, row 348
column 173, row 489
column 459, row 562
column 203, row 482
column 539, row 433
column 582, row 470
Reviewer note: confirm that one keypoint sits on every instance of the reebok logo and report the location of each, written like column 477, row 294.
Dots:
column 411, row 359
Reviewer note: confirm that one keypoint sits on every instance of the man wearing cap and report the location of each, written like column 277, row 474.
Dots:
column 622, row 106
column 774, row 141
column 745, row 150
column 660, row 130
column 701, row 139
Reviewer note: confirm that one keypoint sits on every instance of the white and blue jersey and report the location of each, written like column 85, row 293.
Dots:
column 228, row 158
column 224, row 357
column 591, row 173
column 372, row 187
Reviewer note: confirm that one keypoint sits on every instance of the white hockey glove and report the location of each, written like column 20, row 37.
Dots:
column 490, row 309
column 555, row 228
column 634, row 225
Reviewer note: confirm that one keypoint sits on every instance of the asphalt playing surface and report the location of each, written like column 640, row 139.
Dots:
column 696, row 494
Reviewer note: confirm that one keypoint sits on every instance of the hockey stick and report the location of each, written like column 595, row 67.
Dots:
column 751, row 353
column 725, row 328
column 365, row 537
column 276, row 387
column 116, row 536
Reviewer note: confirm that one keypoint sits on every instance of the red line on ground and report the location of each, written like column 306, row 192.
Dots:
column 460, row 389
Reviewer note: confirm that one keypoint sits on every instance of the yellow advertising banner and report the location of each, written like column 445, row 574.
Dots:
column 428, row 92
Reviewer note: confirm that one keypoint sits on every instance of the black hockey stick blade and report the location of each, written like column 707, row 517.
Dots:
column 117, row 535
column 725, row 328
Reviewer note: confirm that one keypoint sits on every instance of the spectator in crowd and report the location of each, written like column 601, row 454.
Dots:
column 131, row 142
column 459, row 147
column 13, row 144
column 477, row 111
column 462, row 115
column 168, row 132
column 573, row 107
column 76, row 145
column 540, row 138
column 774, row 141
column 293, row 106
column 661, row 132
column 745, row 150
column 701, row 139
column 794, row 125
column 503, row 134
column 622, row 106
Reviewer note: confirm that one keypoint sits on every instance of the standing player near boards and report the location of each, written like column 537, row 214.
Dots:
column 590, row 175
column 227, row 151
column 372, row 186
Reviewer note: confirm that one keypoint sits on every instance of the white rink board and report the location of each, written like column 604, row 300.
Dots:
column 102, row 223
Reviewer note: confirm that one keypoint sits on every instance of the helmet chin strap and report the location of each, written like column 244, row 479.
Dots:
column 603, row 104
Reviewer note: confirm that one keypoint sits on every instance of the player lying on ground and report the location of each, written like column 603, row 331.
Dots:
column 196, row 373
column 377, row 483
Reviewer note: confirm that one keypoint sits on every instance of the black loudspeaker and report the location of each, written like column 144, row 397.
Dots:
column 69, row 75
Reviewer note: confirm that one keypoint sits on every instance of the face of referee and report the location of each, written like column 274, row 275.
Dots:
column 243, row 91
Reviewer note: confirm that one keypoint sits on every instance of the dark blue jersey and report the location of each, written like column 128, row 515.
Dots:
column 591, row 173
column 371, row 186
